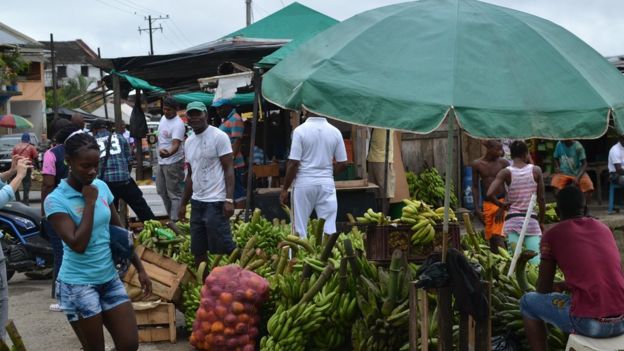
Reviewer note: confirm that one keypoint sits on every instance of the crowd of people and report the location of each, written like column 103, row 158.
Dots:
column 85, row 174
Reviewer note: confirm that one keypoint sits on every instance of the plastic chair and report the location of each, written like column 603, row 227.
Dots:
column 583, row 343
column 612, row 187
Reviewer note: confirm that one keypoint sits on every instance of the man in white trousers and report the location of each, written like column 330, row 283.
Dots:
column 315, row 146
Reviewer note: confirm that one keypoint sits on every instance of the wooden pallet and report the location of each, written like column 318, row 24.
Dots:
column 166, row 274
column 157, row 324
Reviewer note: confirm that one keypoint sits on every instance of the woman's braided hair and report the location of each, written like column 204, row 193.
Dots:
column 78, row 140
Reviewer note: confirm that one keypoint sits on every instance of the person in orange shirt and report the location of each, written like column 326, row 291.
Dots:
column 26, row 150
column 484, row 171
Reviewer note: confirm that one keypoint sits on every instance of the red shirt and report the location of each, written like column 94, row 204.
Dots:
column 586, row 252
column 26, row 150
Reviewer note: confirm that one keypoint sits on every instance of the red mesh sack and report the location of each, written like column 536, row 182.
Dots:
column 228, row 315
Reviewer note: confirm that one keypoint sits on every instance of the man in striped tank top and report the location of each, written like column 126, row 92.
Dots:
column 522, row 180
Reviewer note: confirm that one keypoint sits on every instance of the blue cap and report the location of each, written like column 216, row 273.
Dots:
column 221, row 102
column 25, row 137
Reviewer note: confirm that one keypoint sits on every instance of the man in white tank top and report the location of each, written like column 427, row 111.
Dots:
column 522, row 180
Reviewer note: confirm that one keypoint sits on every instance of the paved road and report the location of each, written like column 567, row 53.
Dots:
column 149, row 193
column 43, row 330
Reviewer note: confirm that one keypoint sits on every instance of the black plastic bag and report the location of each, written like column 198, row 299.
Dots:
column 138, row 124
column 433, row 273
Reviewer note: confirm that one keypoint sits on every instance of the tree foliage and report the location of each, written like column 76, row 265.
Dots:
column 71, row 89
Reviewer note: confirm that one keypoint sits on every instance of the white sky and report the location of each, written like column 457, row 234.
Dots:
column 112, row 24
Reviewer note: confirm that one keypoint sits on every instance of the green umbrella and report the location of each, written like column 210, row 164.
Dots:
column 14, row 122
column 501, row 72
column 496, row 71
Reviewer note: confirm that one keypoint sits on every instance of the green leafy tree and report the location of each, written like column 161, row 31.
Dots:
column 71, row 89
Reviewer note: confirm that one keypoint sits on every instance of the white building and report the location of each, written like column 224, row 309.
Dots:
column 72, row 59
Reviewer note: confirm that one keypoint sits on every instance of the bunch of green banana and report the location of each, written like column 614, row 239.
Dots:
column 551, row 213
column 191, row 297
column 507, row 291
column 382, row 298
column 272, row 233
column 372, row 217
column 424, row 233
column 428, row 186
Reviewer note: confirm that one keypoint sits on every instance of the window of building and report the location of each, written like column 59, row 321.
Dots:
column 61, row 72
column 34, row 71
column 84, row 71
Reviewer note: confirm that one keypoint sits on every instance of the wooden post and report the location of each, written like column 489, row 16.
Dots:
column 445, row 319
column 464, row 332
column 103, row 87
column 53, row 64
column 483, row 330
column 257, row 81
column 413, row 317
column 16, row 338
column 423, row 316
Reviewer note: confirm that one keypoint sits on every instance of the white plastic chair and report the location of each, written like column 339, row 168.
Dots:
column 583, row 343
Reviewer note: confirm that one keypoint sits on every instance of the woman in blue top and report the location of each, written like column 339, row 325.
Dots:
column 89, row 290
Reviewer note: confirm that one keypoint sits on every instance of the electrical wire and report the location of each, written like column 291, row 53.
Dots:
column 115, row 7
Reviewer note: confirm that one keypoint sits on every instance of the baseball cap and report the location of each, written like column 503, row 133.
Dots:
column 221, row 102
column 196, row 105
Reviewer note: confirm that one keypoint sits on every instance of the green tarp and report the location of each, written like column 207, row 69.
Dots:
column 238, row 99
column 138, row 83
column 500, row 72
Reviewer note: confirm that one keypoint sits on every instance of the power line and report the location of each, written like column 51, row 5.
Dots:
column 115, row 7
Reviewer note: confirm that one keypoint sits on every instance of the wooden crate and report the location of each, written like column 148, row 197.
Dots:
column 157, row 324
column 379, row 247
column 166, row 274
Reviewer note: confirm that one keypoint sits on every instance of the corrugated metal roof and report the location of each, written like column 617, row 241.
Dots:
column 9, row 36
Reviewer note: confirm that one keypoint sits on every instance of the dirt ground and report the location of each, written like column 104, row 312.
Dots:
column 43, row 330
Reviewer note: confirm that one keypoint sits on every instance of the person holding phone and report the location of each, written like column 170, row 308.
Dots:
column 19, row 168
column 88, row 289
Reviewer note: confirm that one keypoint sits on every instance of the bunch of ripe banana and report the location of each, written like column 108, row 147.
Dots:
column 423, row 219
column 372, row 217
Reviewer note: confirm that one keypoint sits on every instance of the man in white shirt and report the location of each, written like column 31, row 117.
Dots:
column 209, row 186
column 171, row 132
column 315, row 145
column 616, row 162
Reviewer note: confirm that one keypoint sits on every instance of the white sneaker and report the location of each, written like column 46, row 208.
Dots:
column 55, row 307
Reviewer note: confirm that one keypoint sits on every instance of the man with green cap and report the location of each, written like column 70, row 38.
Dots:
column 209, row 185
column 234, row 127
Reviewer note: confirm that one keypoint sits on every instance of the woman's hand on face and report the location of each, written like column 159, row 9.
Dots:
column 90, row 193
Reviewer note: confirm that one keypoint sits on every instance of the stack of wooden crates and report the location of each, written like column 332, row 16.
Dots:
column 167, row 275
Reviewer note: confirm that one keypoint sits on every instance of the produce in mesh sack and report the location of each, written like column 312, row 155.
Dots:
column 228, row 315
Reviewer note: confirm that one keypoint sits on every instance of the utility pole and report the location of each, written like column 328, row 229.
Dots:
column 103, row 87
column 248, row 6
column 151, row 29
column 53, row 63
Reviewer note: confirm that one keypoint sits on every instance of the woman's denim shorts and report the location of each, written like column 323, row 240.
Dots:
column 80, row 301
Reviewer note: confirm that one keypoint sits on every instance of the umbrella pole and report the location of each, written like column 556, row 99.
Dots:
column 447, row 185
column 257, row 81
column 520, row 243
column 385, row 200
